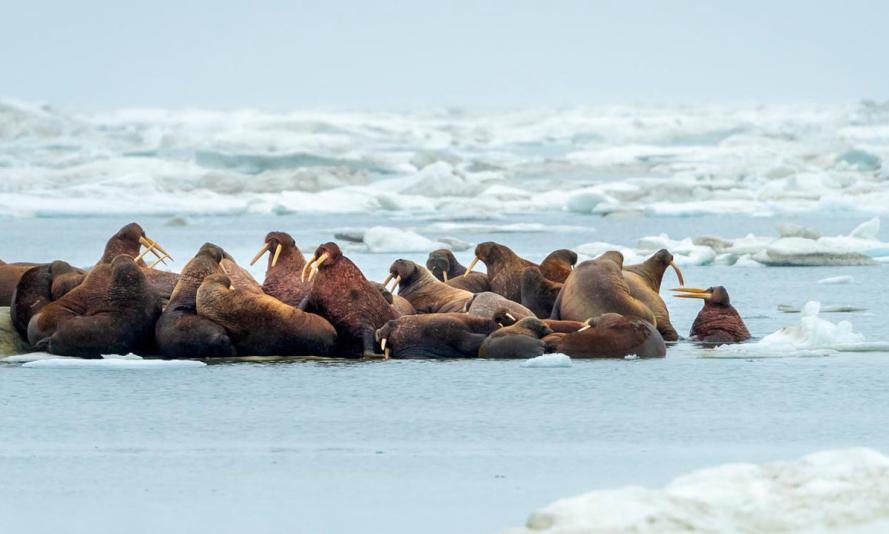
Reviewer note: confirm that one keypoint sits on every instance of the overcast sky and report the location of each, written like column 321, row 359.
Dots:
column 377, row 54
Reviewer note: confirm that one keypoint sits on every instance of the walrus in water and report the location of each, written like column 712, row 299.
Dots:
column 112, row 312
column 261, row 325
column 342, row 294
column 610, row 336
column 596, row 287
column 128, row 241
column 487, row 304
column 401, row 305
column 718, row 321
column 644, row 281
column 504, row 268
column 10, row 274
column 558, row 265
column 435, row 335
column 285, row 264
column 444, row 266
column 181, row 332
column 39, row 286
column 524, row 339
column 538, row 292
column 423, row 291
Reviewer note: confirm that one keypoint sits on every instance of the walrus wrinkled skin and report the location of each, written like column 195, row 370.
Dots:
column 558, row 265
column 423, row 291
column 644, row 281
column 285, row 264
column 181, row 332
column 488, row 303
column 596, row 287
column 260, row 325
column 39, row 286
column 435, row 335
column 523, row 340
column 112, row 312
column 718, row 322
column 504, row 268
column 611, row 336
column 10, row 274
column 342, row 295
column 444, row 266
column 539, row 294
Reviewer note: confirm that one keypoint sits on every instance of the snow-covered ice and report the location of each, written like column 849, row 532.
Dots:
column 548, row 360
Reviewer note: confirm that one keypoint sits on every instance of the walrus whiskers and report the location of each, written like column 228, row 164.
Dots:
column 262, row 251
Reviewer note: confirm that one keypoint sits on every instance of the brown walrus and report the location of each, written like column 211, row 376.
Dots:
column 285, row 263
column 401, row 305
column 611, row 336
column 558, row 264
column 128, row 241
column 718, row 321
column 342, row 294
column 444, row 266
column 524, row 340
column 240, row 277
column 39, row 286
column 112, row 312
column 504, row 268
column 644, row 281
column 596, row 287
column 181, row 332
column 260, row 325
column 10, row 274
column 423, row 291
column 435, row 335
column 487, row 304
column 538, row 292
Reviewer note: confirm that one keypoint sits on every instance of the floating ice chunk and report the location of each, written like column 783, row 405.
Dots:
column 868, row 230
column 685, row 252
column 597, row 248
column 795, row 230
column 859, row 160
column 826, row 491
column 825, row 308
column 797, row 251
column 747, row 261
column 31, row 357
column 548, row 360
column 846, row 279
column 584, row 201
column 389, row 239
column 111, row 363
column 812, row 336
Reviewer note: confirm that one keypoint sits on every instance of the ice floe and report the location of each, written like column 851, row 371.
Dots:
column 130, row 361
column 828, row 491
column 837, row 280
column 548, row 360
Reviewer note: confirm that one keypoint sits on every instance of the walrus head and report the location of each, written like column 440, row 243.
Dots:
column 125, row 274
column 443, row 264
column 404, row 272
column 613, row 256
column 211, row 250
column 713, row 296
column 128, row 240
column 325, row 256
column 534, row 325
column 557, row 265
column 277, row 242
column 218, row 279
column 503, row 318
column 487, row 252
column 652, row 269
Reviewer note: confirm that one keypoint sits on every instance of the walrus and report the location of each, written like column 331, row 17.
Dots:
column 240, row 277
column 610, row 336
column 401, row 305
column 596, row 287
column 504, row 268
column 644, row 281
column 10, row 274
column 285, row 263
column 113, row 311
column 261, row 325
column 524, row 339
column 181, row 332
column 423, row 291
column 558, row 265
column 128, row 241
column 718, row 322
column 444, row 266
column 488, row 303
column 538, row 292
column 39, row 286
column 434, row 335
column 342, row 294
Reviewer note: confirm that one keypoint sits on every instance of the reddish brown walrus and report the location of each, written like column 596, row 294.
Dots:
column 39, row 286
column 504, row 268
column 523, row 339
column 610, row 336
column 435, row 335
column 718, row 321
column 423, row 291
column 342, row 295
column 444, row 266
column 644, row 281
column 285, row 264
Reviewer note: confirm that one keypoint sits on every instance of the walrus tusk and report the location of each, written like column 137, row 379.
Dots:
column 510, row 317
column 470, row 266
column 160, row 259
column 148, row 242
column 586, row 326
column 386, row 354
column 316, row 264
column 277, row 253
column 143, row 253
column 262, row 251
column 678, row 273
column 386, row 281
column 705, row 296
column 690, row 290
column 302, row 276
column 395, row 285
column 444, row 274
column 383, row 344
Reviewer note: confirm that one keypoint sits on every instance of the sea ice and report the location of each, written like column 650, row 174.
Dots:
column 548, row 360
column 833, row 280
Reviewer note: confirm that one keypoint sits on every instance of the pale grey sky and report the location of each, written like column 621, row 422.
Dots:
column 378, row 54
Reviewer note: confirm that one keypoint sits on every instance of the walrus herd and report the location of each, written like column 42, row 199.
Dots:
column 325, row 306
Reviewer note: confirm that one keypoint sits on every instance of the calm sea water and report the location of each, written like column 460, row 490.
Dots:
column 418, row 446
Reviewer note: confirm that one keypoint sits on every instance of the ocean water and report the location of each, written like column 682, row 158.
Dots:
column 444, row 446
